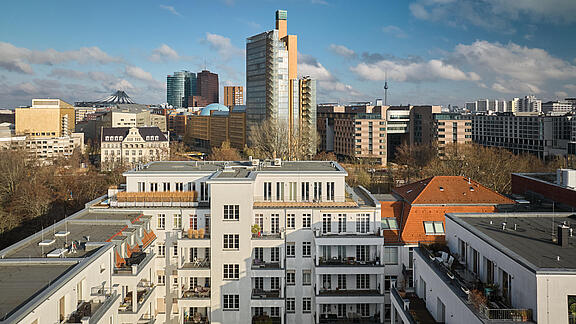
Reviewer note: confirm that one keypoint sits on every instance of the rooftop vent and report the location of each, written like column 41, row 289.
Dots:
column 255, row 162
column 504, row 226
column 277, row 162
column 563, row 235
column 441, row 188
column 566, row 178
column 471, row 188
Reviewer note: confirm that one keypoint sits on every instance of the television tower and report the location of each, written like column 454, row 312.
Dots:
column 386, row 90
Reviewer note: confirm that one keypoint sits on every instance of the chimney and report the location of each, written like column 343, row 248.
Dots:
column 563, row 235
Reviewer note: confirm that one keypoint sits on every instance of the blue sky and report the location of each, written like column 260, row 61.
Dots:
column 431, row 51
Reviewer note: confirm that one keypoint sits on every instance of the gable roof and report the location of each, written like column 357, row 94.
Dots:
column 450, row 190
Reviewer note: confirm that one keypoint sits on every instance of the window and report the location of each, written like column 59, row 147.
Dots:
column 363, row 309
column 317, row 191
column 275, row 223
column 259, row 220
column 153, row 186
column 306, row 249
column 191, row 186
column 231, row 271
column 175, row 250
column 306, row 277
column 341, row 223
column 141, row 186
column 307, row 220
column 434, row 228
column 330, row 190
column 290, row 249
column 267, row 190
column 161, row 249
column 194, row 222
column 177, row 221
column 292, row 190
column 161, row 221
column 231, row 212
column 275, row 254
column 362, row 223
column 362, row 252
column 305, row 191
column 290, row 305
column 279, row 191
column 166, row 186
column 362, row 281
column 290, row 277
column 389, row 223
column 306, row 305
column 290, row 221
column 203, row 191
column 179, row 186
column 326, row 223
column 231, row 241
column 389, row 281
column 390, row 255
column 161, row 279
column 275, row 283
column 341, row 281
column 231, row 302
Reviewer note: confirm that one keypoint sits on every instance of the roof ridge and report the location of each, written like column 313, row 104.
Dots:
column 430, row 179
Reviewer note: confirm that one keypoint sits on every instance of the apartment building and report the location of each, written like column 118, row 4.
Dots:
column 557, row 107
column 543, row 136
column 130, row 146
column 134, row 115
column 233, row 95
column 495, row 268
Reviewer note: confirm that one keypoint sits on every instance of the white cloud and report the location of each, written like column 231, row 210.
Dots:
column 164, row 53
column 395, row 31
column 342, row 51
column 138, row 73
column 80, row 75
column 223, row 46
column 511, row 87
column 570, row 87
column 171, row 9
column 19, row 59
column 412, row 71
column 328, row 84
column 320, row 2
column 561, row 94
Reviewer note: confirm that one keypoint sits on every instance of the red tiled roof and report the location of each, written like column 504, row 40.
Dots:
column 450, row 190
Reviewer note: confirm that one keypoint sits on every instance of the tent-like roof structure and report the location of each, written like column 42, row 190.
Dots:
column 118, row 97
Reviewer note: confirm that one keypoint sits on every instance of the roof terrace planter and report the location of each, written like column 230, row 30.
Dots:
column 154, row 199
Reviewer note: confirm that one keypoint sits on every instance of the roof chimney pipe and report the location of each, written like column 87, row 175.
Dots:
column 563, row 235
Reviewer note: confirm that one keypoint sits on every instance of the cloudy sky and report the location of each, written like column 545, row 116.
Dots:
column 431, row 51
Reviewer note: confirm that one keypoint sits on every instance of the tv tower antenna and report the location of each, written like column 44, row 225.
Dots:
column 386, row 89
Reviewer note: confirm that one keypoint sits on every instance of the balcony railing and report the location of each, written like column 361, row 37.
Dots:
column 516, row 315
column 349, row 318
column 199, row 234
column 349, row 292
column 267, row 236
column 371, row 233
column 135, row 264
column 197, row 264
column 265, row 294
column 261, row 264
column 265, row 319
column 154, row 199
column 197, row 292
column 349, row 261
column 96, row 308
column 196, row 319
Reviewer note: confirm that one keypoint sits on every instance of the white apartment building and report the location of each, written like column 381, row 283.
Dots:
column 520, row 264
column 214, row 242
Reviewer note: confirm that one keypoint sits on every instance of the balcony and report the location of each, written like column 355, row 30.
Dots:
column 192, row 234
column 350, row 318
column 195, row 319
column 265, row 319
column 197, row 264
column 411, row 308
column 265, row 294
column 154, row 199
column 197, row 292
column 134, row 264
column 480, row 297
column 267, row 236
column 142, row 293
column 349, row 292
column 348, row 261
column 261, row 264
column 101, row 302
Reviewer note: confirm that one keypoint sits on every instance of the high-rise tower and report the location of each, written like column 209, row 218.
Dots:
column 179, row 87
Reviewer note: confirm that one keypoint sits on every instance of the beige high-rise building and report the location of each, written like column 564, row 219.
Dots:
column 45, row 118
column 233, row 96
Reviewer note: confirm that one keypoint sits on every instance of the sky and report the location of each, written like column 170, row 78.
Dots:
column 430, row 51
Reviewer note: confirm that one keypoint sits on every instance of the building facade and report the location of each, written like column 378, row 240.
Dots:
column 130, row 146
column 212, row 127
column 207, row 86
column 233, row 95
column 45, row 118
column 134, row 115
column 557, row 107
column 179, row 86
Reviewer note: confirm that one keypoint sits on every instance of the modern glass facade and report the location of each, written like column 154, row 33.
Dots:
column 179, row 87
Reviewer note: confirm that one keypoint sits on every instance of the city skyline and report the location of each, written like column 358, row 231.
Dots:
column 425, row 48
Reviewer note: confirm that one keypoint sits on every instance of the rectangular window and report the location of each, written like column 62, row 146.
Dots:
column 341, row 223
column 389, row 223
column 305, row 191
column 306, row 277
column 231, row 302
column 194, row 222
column 341, row 281
column 292, row 187
column 290, row 277
column 363, row 309
column 306, row 305
column 362, row 281
column 326, row 223
column 434, row 228
column 290, row 249
column 166, row 186
column 141, row 186
column 290, row 305
column 317, row 191
column 191, row 186
column 362, row 223
column 153, row 186
column 362, row 252
column 161, row 249
column 389, row 281
column 259, row 220
column 231, row 241
column 307, row 220
column 390, row 255
column 279, row 191
column 203, row 191
column 267, row 190
column 175, row 250
column 290, row 221
column 231, row 212
column 330, row 190
column 161, row 221
column 306, row 249
column 275, row 223
column 275, row 254
column 179, row 186
column 161, row 280
column 231, row 271
column 177, row 221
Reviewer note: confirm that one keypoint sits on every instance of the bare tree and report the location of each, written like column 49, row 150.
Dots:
column 224, row 153
column 272, row 139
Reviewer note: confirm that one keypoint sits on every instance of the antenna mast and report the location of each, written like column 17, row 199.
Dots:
column 386, row 89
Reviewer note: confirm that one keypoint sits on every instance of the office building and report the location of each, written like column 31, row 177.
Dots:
column 207, row 87
column 273, row 90
column 130, row 146
column 543, row 136
column 216, row 124
column 495, row 268
column 557, row 107
column 233, row 95
column 530, row 104
column 134, row 115
column 45, row 118
column 179, row 86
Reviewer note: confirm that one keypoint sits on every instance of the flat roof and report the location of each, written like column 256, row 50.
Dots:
column 532, row 243
column 19, row 282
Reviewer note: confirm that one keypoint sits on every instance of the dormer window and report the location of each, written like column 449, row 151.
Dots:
column 441, row 188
